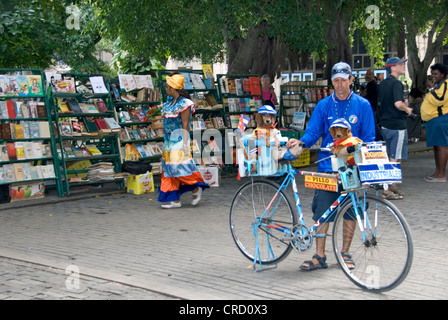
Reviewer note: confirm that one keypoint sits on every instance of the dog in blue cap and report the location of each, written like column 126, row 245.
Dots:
column 341, row 132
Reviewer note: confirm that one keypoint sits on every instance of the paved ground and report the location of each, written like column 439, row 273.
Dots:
column 126, row 247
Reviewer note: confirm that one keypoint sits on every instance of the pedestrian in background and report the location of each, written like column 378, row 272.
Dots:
column 434, row 111
column 393, row 111
column 179, row 172
column 267, row 91
column 370, row 92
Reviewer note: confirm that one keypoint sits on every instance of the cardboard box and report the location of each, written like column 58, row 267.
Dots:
column 140, row 184
column 211, row 175
column 27, row 191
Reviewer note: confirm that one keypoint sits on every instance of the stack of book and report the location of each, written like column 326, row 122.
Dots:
column 24, row 130
column 88, row 127
column 73, row 106
column 17, row 109
column 102, row 171
column 25, row 171
column 23, row 150
column 245, row 86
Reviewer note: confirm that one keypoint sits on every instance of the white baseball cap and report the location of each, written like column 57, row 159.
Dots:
column 341, row 70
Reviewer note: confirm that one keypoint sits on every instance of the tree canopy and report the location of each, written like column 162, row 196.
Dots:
column 256, row 36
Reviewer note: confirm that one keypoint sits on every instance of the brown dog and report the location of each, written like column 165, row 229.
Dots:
column 341, row 133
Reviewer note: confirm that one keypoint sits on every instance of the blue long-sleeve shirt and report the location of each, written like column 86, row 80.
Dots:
column 355, row 110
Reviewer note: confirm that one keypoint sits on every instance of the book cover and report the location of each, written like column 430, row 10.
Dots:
column 127, row 82
column 140, row 114
column 65, row 128
column 2, row 86
column 18, row 171
column 2, row 175
column 11, row 106
column 101, row 106
column 11, row 151
column 239, row 87
column 4, row 155
column 37, row 149
column 94, row 151
column 88, row 108
column 9, row 173
column 98, row 85
column 18, row 128
column 255, row 86
column 231, row 86
column 66, row 85
column 41, row 110
column 73, row 106
column 26, row 110
column 44, row 129
column 28, row 150
column 91, row 126
column 141, row 151
column 20, row 152
column 112, row 124
column 26, row 168
column 143, row 81
column 197, row 81
column 12, row 88
column 18, row 106
column 26, row 129
column 34, row 173
column 76, row 127
column 35, row 84
column 33, row 109
column 22, row 83
column 187, row 81
column 34, row 130
column 4, row 108
column 101, row 124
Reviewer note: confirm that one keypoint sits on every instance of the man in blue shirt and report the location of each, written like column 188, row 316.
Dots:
column 343, row 103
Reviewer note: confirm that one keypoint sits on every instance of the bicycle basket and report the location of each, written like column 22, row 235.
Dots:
column 255, row 158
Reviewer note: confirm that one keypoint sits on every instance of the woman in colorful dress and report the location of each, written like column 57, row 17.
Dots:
column 179, row 173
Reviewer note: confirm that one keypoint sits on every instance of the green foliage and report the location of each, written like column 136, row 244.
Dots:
column 34, row 34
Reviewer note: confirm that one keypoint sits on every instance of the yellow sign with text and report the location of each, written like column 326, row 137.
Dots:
column 321, row 183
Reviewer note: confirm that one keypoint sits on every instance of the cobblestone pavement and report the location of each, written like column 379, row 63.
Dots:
column 126, row 247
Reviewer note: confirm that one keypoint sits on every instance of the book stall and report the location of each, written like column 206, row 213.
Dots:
column 67, row 130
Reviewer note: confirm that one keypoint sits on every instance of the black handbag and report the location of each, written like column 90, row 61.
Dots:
column 136, row 167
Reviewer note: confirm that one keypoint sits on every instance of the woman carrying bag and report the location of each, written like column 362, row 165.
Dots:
column 434, row 111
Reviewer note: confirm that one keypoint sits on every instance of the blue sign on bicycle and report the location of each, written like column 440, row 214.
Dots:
column 380, row 173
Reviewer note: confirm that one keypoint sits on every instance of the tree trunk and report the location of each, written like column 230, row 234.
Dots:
column 418, row 69
column 339, row 47
column 257, row 54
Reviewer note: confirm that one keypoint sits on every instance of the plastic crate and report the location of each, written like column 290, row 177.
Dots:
column 292, row 134
column 303, row 160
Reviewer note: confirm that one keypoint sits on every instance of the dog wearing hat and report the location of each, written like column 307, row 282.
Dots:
column 341, row 132
column 266, row 119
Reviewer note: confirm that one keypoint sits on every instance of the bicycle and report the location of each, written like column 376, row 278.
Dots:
column 265, row 228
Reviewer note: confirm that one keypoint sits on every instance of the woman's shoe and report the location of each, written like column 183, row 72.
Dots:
column 171, row 205
column 198, row 195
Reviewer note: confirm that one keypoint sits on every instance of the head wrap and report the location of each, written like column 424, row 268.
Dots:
column 176, row 81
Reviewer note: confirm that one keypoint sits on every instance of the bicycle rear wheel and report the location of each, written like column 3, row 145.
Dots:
column 249, row 203
column 382, row 260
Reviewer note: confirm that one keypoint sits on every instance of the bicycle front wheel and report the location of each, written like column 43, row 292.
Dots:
column 248, row 205
column 380, row 260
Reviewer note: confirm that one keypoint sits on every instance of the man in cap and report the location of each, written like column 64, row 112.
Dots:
column 393, row 111
column 343, row 103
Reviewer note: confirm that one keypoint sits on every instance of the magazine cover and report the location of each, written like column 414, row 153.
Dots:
column 35, row 84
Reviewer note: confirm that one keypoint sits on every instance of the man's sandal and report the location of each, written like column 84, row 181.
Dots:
column 348, row 261
column 391, row 196
column 311, row 266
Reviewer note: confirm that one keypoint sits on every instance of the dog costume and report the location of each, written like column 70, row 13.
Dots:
column 341, row 131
